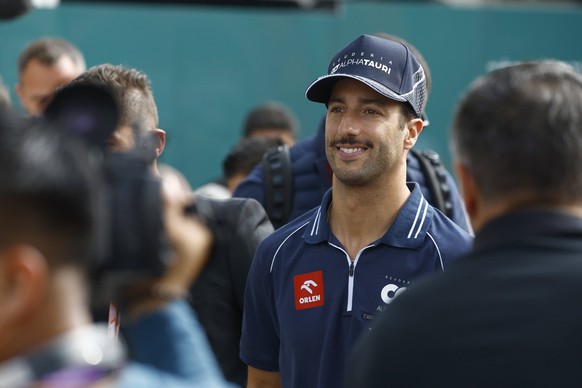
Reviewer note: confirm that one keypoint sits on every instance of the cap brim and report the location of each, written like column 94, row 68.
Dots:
column 320, row 89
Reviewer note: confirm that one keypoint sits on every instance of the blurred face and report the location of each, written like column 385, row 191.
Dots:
column 39, row 81
column 365, row 133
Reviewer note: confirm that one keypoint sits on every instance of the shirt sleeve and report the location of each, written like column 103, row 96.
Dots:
column 171, row 340
column 260, row 330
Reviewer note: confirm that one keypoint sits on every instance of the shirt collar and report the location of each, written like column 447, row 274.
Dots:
column 407, row 231
column 527, row 226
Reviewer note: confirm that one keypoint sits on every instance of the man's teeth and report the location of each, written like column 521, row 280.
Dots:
column 350, row 150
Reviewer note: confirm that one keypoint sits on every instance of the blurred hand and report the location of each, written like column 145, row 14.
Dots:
column 190, row 242
column 190, row 239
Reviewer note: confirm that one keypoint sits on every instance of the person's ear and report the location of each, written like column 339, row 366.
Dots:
column 23, row 280
column 469, row 191
column 161, row 141
column 414, row 128
column 19, row 91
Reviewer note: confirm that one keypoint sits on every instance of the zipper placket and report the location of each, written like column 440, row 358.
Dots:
column 352, row 269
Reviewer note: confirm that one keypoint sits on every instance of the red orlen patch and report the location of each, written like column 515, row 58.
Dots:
column 308, row 290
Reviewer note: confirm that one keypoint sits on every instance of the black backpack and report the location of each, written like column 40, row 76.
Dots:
column 278, row 177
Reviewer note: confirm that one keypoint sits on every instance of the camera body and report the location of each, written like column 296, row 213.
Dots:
column 130, row 243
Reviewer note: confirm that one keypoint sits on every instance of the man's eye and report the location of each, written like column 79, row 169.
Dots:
column 335, row 109
column 371, row 112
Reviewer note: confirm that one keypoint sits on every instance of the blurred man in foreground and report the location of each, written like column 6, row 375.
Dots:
column 50, row 207
column 508, row 315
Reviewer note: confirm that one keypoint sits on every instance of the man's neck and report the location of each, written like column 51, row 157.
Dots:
column 361, row 215
column 64, row 307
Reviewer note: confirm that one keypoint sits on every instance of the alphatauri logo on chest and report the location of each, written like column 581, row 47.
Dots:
column 308, row 290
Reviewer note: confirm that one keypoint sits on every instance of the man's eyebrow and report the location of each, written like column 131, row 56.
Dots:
column 372, row 101
column 380, row 103
column 336, row 99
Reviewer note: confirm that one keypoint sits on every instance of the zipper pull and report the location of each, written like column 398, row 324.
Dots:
column 368, row 317
column 352, row 269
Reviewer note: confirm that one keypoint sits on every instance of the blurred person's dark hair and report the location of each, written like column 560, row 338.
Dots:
column 130, row 87
column 540, row 97
column 48, row 51
column 43, row 66
column 244, row 156
column 137, row 127
column 271, row 119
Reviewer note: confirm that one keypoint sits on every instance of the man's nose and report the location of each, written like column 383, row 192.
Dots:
column 349, row 125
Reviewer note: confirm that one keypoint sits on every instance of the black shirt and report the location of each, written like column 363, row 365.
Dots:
column 509, row 314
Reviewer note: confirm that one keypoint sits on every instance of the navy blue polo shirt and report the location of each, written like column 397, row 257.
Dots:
column 306, row 303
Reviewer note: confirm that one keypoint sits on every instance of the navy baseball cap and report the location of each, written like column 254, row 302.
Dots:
column 386, row 66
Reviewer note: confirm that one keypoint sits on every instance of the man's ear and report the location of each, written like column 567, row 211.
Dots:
column 414, row 128
column 18, row 90
column 161, row 137
column 468, row 190
column 24, row 276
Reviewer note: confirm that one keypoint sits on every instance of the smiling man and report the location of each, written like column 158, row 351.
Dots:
column 317, row 283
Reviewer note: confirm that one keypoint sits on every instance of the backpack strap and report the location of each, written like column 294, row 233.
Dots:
column 278, row 185
column 436, row 179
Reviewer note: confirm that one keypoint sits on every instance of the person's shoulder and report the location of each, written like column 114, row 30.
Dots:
column 305, row 148
column 443, row 227
column 243, row 214
column 252, row 185
column 231, row 207
column 450, row 239
column 227, row 203
column 291, row 235
column 293, row 230
column 213, row 190
column 419, row 218
column 305, row 144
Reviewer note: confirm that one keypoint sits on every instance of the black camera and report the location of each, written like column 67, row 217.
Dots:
column 131, row 243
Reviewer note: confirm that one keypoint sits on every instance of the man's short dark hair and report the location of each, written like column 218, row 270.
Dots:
column 48, row 51
column 130, row 87
column 518, row 130
column 246, row 154
column 271, row 115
